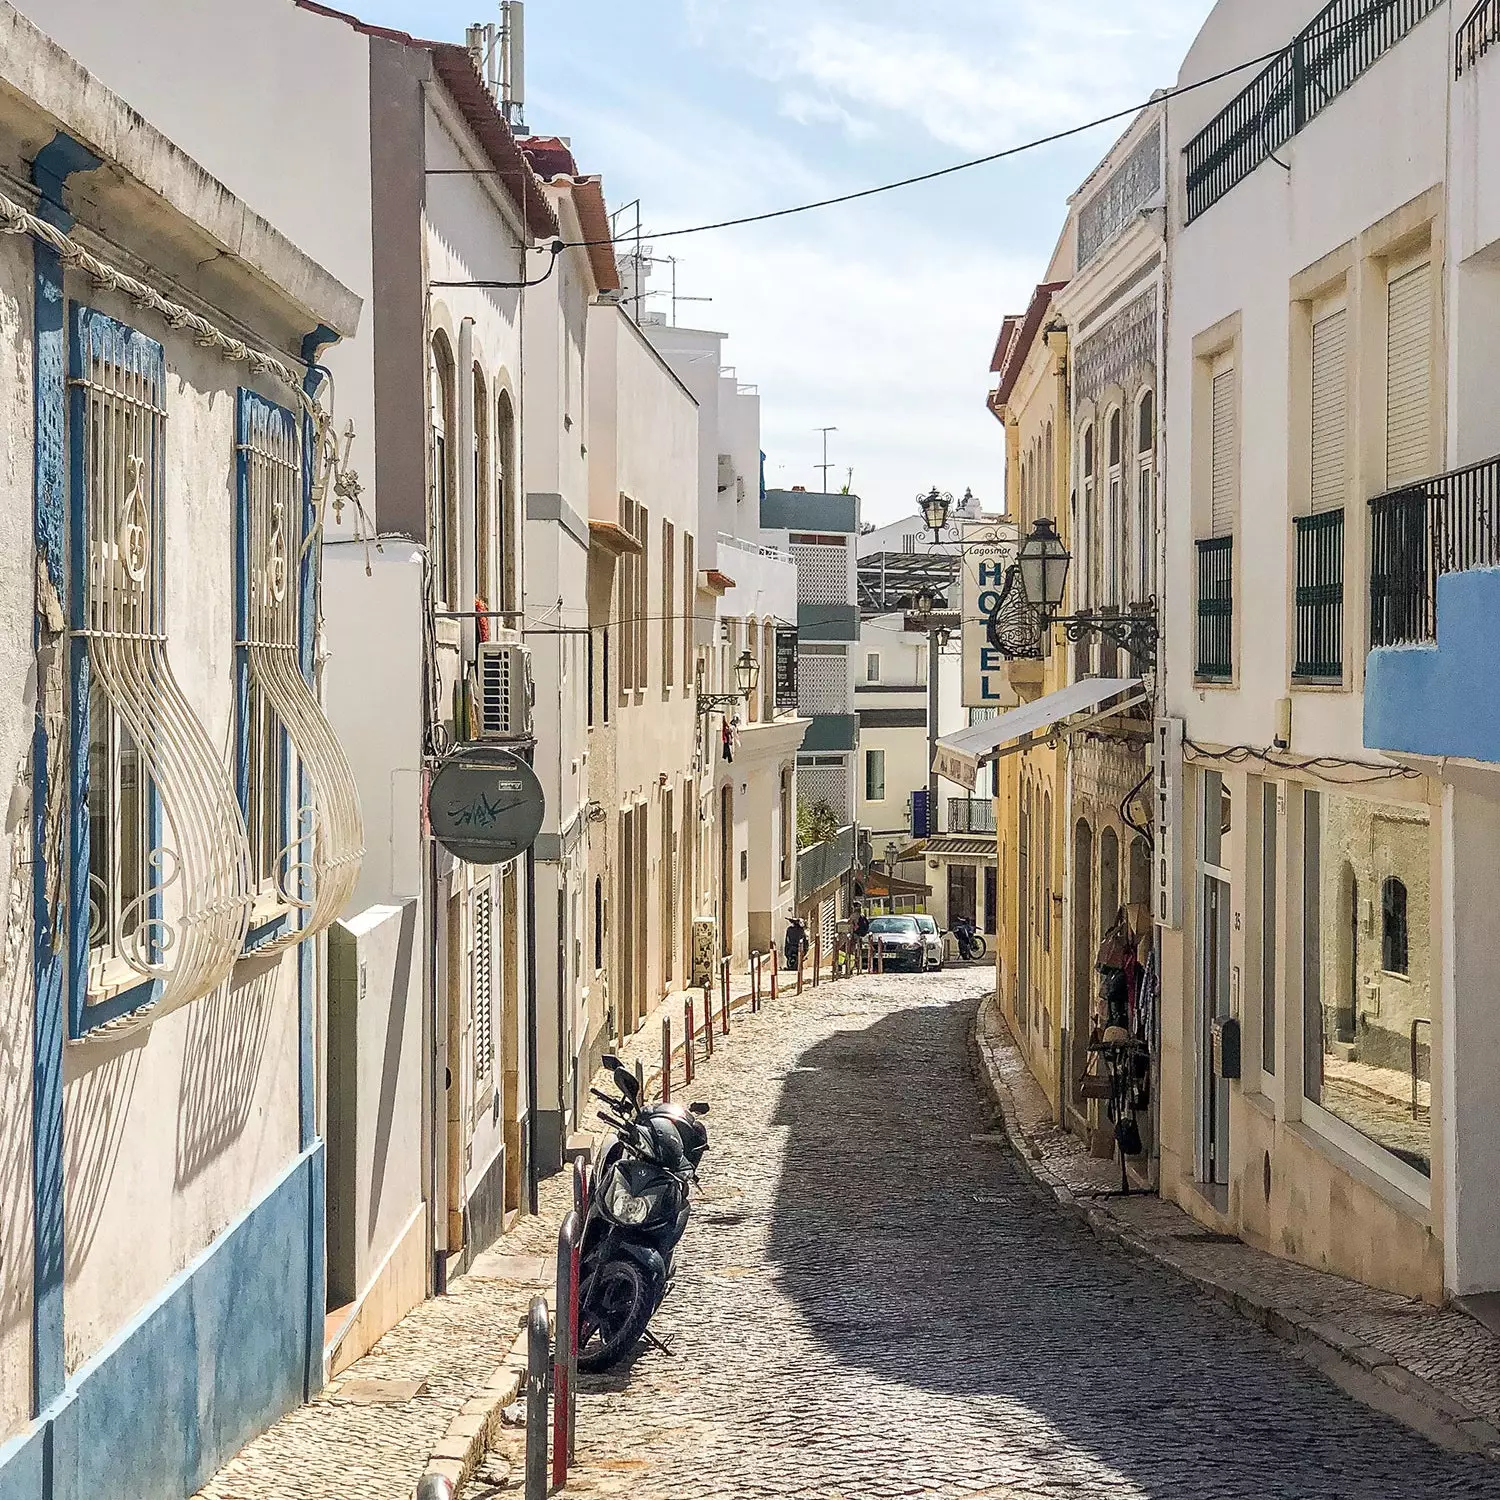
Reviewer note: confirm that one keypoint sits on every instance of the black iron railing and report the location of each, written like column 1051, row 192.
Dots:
column 1476, row 36
column 1215, row 656
column 1342, row 41
column 1448, row 524
column 1319, row 623
column 971, row 815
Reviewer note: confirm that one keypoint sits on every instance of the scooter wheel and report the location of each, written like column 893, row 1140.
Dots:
column 619, row 1307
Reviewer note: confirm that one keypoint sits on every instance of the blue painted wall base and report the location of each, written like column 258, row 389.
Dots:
column 231, row 1345
column 1442, row 699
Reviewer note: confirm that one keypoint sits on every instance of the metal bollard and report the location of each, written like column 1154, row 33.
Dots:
column 565, row 1350
column 666, row 1059
column 538, row 1353
column 724, row 994
column 708, row 1022
column 690, row 1030
column 775, row 970
column 801, row 962
column 434, row 1487
column 580, row 1189
column 817, row 956
column 754, row 983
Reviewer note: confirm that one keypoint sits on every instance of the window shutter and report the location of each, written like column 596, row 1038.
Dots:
column 483, row 963
column 1330, row 412
column 1408, row 356
column 1225, row 454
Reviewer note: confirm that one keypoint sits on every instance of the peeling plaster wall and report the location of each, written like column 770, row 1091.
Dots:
column 17, row 690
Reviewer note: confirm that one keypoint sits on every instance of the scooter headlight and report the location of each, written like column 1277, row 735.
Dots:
column 624, row 1206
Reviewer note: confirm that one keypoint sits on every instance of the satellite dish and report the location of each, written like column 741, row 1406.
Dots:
column 485, row 805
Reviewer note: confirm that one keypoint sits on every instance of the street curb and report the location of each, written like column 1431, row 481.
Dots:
column 1441, row 1417
column 471, row 1433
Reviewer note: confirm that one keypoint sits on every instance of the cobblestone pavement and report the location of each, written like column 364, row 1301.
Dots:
column 1455, row 1356
column 874, row 1303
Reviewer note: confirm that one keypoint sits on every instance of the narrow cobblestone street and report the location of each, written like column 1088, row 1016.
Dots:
column 874, row 1303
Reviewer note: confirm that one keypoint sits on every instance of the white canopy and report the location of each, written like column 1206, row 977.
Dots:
column 958, row 755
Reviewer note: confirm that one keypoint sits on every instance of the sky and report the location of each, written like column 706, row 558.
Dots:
column 878, row 318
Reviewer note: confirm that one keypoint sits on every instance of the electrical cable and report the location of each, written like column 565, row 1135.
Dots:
column 1315, row 765
column 963, row 166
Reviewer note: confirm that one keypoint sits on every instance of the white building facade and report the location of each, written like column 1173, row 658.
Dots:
column 184, row 824
column 1306, row 364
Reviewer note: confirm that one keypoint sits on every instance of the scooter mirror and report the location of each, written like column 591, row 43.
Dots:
column 626, row 1082
column 698, row 1109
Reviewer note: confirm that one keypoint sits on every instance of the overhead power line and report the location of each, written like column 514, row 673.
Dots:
column 962, row 166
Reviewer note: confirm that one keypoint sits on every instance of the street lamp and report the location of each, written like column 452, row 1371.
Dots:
column 746, row 680
column 944, row 635
column 935, row 506
column 747, row 674
column 1043, row 567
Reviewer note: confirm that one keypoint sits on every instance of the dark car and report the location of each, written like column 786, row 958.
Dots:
column 900, row 941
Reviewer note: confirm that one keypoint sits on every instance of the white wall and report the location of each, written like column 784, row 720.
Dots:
column 275, row 103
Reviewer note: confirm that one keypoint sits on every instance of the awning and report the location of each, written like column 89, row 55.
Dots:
column 957, row 756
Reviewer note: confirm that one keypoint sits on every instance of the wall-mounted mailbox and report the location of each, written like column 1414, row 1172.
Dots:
column 1225, row 1040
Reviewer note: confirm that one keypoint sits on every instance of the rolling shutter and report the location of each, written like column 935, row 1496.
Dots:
column 1408, row 356
column 1225, row 453
column 1330, row 412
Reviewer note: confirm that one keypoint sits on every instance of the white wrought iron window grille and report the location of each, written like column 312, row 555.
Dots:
column 160, row 899
column 296, row 787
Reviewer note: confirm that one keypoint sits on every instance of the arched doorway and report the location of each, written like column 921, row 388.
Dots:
column 1081, row 1003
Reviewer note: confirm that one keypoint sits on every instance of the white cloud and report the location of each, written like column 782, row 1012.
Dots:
column 971, row 76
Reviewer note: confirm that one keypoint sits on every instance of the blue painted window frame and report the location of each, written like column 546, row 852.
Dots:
column 248, row 405
column 88, row 330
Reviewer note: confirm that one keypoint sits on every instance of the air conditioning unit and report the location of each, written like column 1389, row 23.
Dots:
column 504, row 690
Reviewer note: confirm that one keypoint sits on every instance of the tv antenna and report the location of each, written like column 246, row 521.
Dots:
column 825, row 466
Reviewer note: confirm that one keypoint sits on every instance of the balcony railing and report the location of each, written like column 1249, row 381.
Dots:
column 971, row 815
column 1214, row 661
column 821, row 864
column 1476, row 36
column 1448, row 524
column 1319, row 621
column 1341, row 42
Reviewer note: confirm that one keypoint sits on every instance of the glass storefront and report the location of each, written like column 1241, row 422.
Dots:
column 1368, row 969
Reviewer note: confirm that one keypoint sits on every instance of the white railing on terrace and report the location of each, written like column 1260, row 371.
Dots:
column 780, row 554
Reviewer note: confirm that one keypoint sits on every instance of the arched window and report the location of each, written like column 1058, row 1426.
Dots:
column 483, row 510
column 1393, row 933
column 1145, row 495
column 1114, row 525
column 1050, row 477
column 442, row 536
column 1083, row 543
column 508, row 534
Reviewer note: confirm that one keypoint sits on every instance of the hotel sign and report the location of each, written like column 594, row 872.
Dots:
column 989, row 548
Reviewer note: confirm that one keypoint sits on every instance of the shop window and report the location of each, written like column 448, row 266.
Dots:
column 1366, row 1013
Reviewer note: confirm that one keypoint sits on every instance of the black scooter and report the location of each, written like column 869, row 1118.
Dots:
column 637, row 1214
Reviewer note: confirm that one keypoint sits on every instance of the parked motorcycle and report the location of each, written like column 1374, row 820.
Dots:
column 637, row 1214
column 970, row 943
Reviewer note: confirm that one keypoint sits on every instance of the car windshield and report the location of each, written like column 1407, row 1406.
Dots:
column 925, row 923
column 893, row 924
